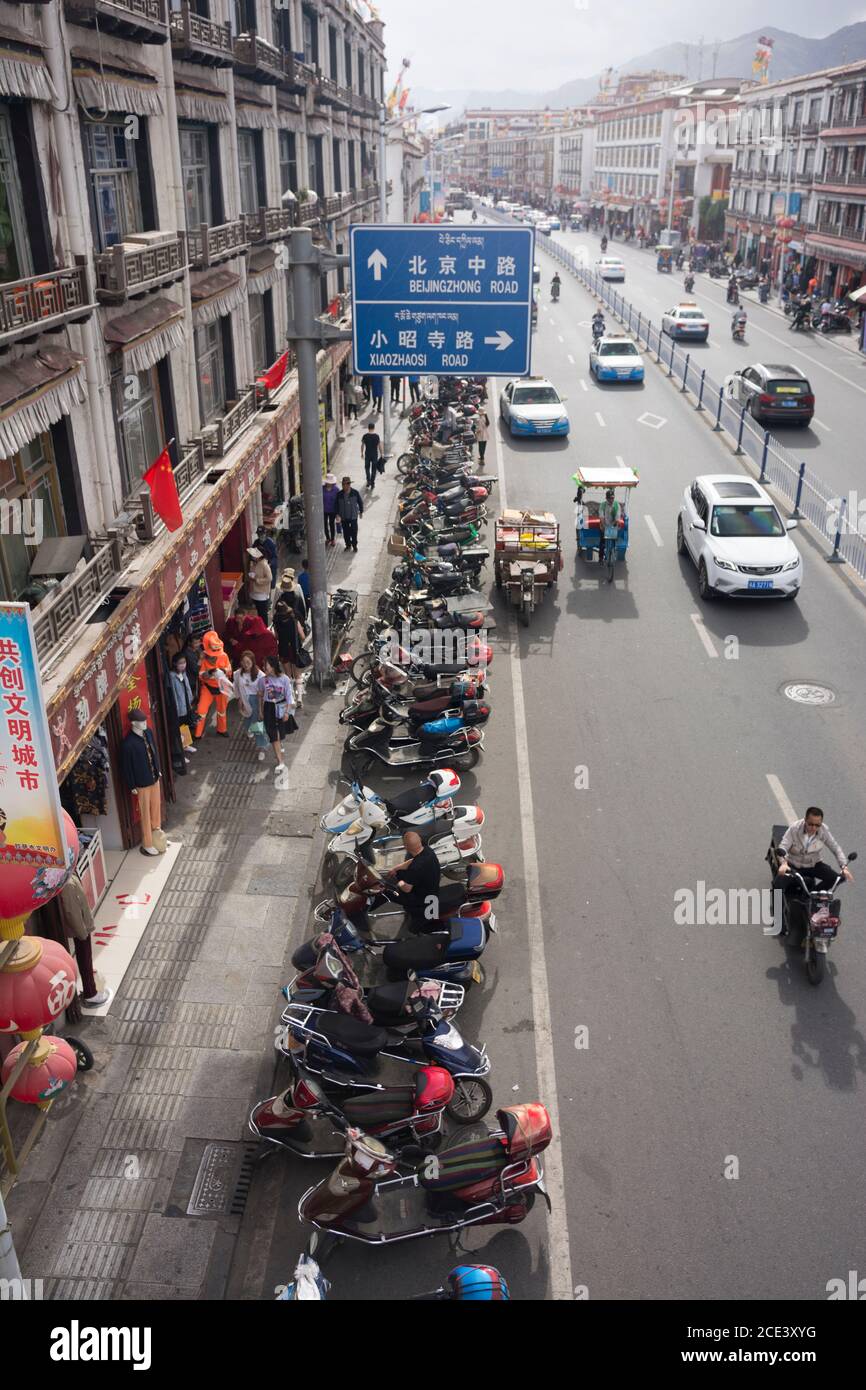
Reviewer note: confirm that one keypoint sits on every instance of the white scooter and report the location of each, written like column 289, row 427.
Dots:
column 367, row 836
column 431, row 802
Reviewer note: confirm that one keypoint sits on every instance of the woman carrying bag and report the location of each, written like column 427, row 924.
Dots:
column 289, row 625
column 278, row 702
column 249, row 684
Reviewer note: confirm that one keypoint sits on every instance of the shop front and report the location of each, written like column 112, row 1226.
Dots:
column 840, row 264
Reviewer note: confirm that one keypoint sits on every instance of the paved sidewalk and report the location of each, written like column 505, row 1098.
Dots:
column 186, row 1047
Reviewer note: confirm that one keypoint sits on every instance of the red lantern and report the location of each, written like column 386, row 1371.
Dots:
column 27, row 882
column 36, row 985
column 49, row 1071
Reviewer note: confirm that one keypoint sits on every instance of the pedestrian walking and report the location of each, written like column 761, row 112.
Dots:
column 414, row 388
column 257, row 638
column 268, row 548
column 396, row 385
column 214, row 675
column 366, row 388
column 259, row 583
column 354, row 398
column 277, row 705
column 377, row 391
column 330, row 493
column 249, row 684
column 349, row 509
column 482, row 433
column 290, row 617
column 304, row 581
column 812, row 286
column 371, row 446
column 184, row 702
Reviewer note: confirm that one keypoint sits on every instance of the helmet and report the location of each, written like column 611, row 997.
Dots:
column 212, row 644
column 478, row 1283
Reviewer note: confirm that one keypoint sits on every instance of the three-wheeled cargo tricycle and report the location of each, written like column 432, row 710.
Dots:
column 527, row 557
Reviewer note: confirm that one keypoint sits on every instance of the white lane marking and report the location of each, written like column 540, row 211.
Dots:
column 620, row 460
column 561, row 339
column 704, row 635
column 583, row 384
column 821, row 423
column 539, row 975
column 571, row 359
column 789, row 815
column 600, row 420
column 653, row 530
column 655, row 422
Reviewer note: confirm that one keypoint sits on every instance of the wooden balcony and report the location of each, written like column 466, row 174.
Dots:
column 218, row 437
column 210, row 245
column 135, row 267
column 308, row 213
column 810, row 128
column 59, row 617
column 143, row 21
column 295, row 75
column 44, row 303
column 830, row 228
column 200, row 40
column 330, row 93
column 269, row 224
column 258, row 60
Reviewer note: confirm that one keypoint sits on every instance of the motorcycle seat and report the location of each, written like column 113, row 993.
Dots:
column 388, row 1001
column 364, row 1039
column 407, row 802
column 464, row 1165
column 421, row 953
column 379, row 1107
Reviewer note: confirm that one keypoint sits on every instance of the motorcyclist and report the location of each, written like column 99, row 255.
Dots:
column 608, row 515
column 800, row 850
column 474, row 214
column 603, row 244
column 802, row 313
column 738, row 322
column 689, row 282
column 555, row 286
column 598, row 324
column 733, row 290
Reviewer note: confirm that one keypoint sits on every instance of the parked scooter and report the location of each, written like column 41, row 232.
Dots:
column 311, row 1117
column 465, row 1284
column 836, row 320
column 452, row 953
column 371, row 898
column 372, row 836
column 373, row 1198
column 431, row 803
column 332, row 984
column 378, row 744
column 353, row 1053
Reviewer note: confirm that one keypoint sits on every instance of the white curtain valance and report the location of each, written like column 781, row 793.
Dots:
column 116, row 93
column 221, row 304
column 25, row 75
column 148, row 351
column 25, row 422
column 194, row 107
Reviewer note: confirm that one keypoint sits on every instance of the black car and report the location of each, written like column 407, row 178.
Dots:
column 772, row 392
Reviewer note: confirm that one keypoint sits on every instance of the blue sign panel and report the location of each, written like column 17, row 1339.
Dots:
column 443, row 300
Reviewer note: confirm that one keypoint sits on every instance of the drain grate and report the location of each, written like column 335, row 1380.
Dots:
column 808, row 693
column 222, row 1183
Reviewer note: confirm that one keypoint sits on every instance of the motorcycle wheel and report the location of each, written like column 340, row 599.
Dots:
column 468, row 760
column 471, row 1100
column 406, row 463
column 815, row 967
column 361, row 667
column 83, row 1055
column 525, row 612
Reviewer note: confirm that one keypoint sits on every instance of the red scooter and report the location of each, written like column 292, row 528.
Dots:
column 377, row 1198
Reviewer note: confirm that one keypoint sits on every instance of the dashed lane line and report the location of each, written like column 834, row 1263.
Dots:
column 705, row 637
column 653, row 530
column 789, row 815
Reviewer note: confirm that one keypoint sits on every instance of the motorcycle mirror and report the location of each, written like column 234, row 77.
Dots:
column 852, row 856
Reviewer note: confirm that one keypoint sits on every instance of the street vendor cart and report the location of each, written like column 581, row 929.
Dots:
column 527, row 557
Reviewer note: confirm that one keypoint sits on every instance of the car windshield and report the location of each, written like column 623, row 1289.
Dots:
column 536, row 395
column 760, row 520
column 618, row 350
column 690, row 314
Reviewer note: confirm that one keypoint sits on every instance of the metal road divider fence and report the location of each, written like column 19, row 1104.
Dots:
column 813, row 500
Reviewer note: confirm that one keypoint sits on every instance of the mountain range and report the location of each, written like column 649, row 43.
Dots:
column 792, row 55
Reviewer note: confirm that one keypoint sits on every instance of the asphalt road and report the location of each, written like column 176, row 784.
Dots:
column 832, row 446
column 712, row 1129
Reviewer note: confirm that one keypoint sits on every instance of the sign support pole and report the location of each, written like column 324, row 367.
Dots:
column 310, row 334
column 383, row 215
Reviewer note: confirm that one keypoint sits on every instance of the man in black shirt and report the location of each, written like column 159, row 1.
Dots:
column 418, row 882
column 370, row 447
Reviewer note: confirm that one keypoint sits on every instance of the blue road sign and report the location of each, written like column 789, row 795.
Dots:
column 443, row 300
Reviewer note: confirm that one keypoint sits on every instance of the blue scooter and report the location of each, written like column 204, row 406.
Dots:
column 451, row 955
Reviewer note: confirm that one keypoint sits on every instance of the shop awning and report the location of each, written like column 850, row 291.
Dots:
column 198, row 100
column 23, row 70
column 858, row 296
column 116, row 84
column 255, row 115
column 214, row 294
column 836, row 252
column 148, row 333
column 262, row 270
column 35, row 391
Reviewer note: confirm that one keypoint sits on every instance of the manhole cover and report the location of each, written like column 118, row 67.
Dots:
column 806, row 693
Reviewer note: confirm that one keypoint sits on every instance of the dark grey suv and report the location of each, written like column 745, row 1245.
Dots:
column 773, row 393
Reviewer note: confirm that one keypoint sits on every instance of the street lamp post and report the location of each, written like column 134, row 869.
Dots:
column 383, row 215
column 783, row 253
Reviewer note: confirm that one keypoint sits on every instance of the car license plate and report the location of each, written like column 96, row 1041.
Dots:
column 542, row 429
column 793, row 403
column 760, row 583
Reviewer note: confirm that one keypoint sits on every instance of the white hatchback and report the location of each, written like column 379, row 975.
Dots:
column 610, row 268
column 729, row 526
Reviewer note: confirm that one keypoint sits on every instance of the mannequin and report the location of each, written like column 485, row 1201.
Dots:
column 140, row 769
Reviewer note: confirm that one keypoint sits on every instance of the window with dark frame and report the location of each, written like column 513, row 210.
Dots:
column 113, row 178
column 288, row 146
column 138, row 418
column 211, row 370
column 30, row 476
column 197, row 179
column 16, row 261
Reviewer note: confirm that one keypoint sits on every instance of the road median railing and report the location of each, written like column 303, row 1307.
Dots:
column 813, row 501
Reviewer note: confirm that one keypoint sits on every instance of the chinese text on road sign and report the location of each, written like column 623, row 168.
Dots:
column 442, row 300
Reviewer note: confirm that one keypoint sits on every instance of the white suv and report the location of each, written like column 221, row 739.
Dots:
column 730, row 528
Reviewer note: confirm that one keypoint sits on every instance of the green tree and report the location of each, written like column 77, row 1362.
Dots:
column 711, row 219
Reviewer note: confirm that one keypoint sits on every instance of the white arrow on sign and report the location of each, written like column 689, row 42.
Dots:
column 378, row 260
column 501, row 341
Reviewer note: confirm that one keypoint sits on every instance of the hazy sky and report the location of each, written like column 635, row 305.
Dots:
column 537, row 44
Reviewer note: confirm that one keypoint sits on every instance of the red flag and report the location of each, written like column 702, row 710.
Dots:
column 163, row 491
column 273, row 377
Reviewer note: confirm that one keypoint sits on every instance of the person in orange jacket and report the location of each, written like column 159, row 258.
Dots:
column 214, row 662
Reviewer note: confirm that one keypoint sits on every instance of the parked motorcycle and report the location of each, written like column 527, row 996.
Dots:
column 451, row 953
column 811, row 913
column 461, row 745
column 372, row 836
column 371, row 1197
column 465, row 1284
column 370, row 898
column 353, row 1053
column 331, row 984
column 431, row 803
column 836, row 321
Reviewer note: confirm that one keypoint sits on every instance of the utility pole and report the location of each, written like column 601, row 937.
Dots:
column 783, row 253
column 383, row 218
column 310, row 334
